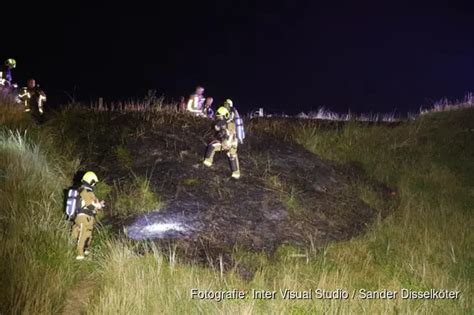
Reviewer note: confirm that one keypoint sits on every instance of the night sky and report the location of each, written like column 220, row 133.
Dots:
column 285, row 56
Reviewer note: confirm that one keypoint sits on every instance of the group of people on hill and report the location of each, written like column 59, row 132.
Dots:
column 82, row 203
column 197, row 104
column 31, row 96
column 229, row 124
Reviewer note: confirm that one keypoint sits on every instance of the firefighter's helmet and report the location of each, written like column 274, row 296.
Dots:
column 228, row 102
column 90, row 178
column 10, row 62
column 222, row 112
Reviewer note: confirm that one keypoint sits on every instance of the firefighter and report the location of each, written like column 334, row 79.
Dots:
column 227, row 141
column 85, row 218
column 6, row 73
column 196, row 101
column 33, row 98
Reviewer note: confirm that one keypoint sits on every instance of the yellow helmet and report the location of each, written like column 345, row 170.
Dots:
column 10, row 62
column 223, row 112
column 229, row 102
column 90, row 178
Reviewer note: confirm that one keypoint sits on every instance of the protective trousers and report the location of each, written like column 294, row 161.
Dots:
column 82, row 232
column 216, row 146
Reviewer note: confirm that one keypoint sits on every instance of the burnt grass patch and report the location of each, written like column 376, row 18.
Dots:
column 286, row 195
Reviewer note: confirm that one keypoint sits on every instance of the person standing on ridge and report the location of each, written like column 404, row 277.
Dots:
column 227, row 141
column 33, row 98
column 6, row 73
column 85, row 218
column 196, row 102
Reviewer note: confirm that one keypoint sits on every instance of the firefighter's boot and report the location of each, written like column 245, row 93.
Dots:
column 234, row 166
column 210, row 152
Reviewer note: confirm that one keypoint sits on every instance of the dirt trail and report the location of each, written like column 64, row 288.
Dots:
column 78, row 298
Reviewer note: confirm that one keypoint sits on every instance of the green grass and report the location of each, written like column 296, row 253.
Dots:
column 35, row 262
column 427, row 242
column 123, row 156
column 135, row 197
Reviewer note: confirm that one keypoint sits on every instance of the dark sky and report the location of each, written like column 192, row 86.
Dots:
column 283, row 55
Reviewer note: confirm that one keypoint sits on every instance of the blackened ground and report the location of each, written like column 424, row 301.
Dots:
column 285, row 195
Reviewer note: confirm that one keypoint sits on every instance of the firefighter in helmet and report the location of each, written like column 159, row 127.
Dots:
column 6, row 74
column 227, row 141
column 33, row 98
column 85, row 218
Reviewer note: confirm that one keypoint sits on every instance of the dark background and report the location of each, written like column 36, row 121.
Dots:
column 285, row 56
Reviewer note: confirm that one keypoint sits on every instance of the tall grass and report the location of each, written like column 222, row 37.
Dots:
column 447, row 105
column 326, row 114
column 426, row 243
column 11, row 113
column 35, row 257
